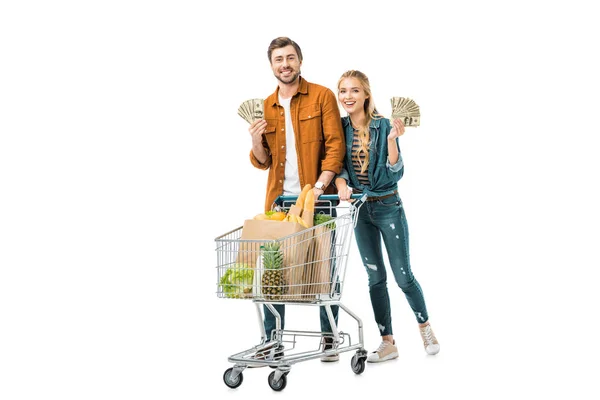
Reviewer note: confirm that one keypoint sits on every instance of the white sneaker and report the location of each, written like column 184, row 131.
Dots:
column 432, row 347
column 267, row 354
column 328, row 345
column 386, row 351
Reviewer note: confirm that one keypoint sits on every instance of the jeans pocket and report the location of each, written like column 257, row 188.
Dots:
column 392, row 201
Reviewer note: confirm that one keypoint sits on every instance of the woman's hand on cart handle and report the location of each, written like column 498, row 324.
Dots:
column 360, row 196
column 345, row 192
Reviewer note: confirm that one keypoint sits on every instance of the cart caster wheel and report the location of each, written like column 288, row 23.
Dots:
column 232, row 383
column 358, row 364
column 277, row 385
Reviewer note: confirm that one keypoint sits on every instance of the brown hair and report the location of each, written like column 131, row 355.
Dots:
column 283, row 41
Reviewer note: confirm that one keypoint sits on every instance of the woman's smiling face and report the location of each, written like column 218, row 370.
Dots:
column 351, row 95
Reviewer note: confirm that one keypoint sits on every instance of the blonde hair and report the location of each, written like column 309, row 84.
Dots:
column 370, row 113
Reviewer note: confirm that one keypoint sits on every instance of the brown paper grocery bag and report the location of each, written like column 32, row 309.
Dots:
column 295, row 252
column 294, row 245
column 295, row 210
column 256, row 233
column 317, row 274
column 308, row 217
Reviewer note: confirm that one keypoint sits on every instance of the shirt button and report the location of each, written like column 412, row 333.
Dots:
column 283, row 147
column 281, row 114
column 280, row 181
column 282, row 129
column 309, row 116
column 281, row 164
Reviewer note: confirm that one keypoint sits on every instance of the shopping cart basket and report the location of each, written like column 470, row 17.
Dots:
column 304, row 268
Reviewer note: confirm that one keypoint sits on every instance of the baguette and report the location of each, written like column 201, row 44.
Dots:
column 309, row 202
column 302, row 196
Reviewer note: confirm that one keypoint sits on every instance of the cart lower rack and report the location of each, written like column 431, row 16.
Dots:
column 304, row 268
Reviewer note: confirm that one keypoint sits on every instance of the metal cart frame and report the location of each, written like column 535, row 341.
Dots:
column 233, row 281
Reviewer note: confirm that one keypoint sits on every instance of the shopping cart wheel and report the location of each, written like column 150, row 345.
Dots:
column 358, row 364
column 232, row 383
column 277, row 385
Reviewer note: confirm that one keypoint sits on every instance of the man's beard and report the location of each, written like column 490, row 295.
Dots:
column 289, row 80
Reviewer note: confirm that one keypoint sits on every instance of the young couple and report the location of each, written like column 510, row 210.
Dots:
column 302, row 140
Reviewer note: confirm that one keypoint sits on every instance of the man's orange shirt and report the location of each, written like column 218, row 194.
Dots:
column 320, row 143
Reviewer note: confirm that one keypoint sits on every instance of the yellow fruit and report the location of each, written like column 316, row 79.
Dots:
column 261, row 217
column 277, row 216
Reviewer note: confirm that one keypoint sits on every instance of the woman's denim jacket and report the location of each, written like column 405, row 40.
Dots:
column 383, row 176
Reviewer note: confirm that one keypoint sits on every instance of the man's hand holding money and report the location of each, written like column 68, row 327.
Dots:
column 256, row 129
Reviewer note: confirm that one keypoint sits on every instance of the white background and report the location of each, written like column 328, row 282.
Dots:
column 122, row 158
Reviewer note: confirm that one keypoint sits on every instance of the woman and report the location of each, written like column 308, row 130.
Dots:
column 373, row 165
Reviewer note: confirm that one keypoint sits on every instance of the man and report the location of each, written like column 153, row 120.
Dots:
column 300, row 141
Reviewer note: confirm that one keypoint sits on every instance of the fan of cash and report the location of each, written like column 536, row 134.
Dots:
column 251, row 110
column 407, row 110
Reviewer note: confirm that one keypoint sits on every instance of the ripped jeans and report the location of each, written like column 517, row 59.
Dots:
column 385, row 219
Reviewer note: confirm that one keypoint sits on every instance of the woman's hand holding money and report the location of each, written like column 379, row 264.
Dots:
column 397, row 130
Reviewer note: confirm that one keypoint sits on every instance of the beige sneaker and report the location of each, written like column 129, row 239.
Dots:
column 430, row 343
column 386, row 351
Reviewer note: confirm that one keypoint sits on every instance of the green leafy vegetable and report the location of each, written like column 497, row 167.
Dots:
column 236, row 282
column 323, row 218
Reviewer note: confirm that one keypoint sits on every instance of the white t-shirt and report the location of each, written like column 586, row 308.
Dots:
column 291, row 179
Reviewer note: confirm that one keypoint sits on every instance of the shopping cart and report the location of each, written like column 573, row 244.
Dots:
column 304, row 268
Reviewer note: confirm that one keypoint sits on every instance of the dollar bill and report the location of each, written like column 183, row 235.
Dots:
column 258, row 109
column 242, row 113
column 251, row 110
column 410, row 121
column 407, row 110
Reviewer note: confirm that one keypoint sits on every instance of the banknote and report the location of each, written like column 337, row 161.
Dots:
column 257, row 109
column 407, row 110
column 251, row 110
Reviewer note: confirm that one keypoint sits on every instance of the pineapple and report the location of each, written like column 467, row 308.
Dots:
column 273, row 284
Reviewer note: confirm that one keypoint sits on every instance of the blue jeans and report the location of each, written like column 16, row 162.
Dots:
column 269, row 321
column 385, row 219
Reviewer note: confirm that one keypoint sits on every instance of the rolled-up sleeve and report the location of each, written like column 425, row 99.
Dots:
column 343, row 174
column 397, row 166
column 397, row 170
column 257, row 163
column 333, row 134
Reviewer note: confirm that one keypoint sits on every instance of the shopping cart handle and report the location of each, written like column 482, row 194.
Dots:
column 325, row 197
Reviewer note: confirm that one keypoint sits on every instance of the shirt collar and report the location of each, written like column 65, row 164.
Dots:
column 302, row 89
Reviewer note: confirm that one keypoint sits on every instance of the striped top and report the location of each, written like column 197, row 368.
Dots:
column 363, row 177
